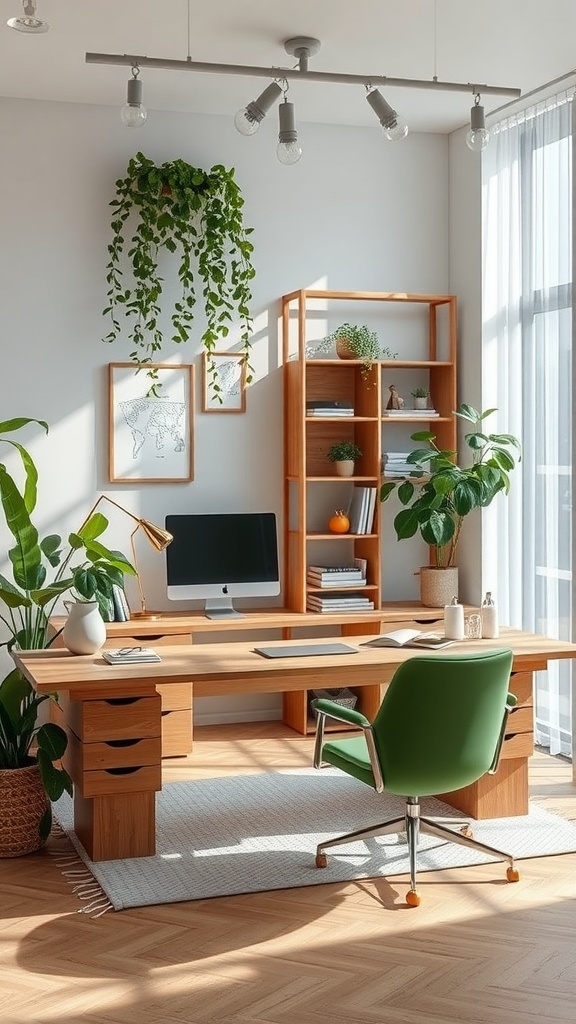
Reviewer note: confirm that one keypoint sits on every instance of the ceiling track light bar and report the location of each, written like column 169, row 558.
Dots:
column 133, row 60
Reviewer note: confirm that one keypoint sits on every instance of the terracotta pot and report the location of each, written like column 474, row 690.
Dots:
column 343, row 350
column 438, row 586
column 23, row 801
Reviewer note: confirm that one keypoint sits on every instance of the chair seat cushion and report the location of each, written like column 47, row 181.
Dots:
column 350, row 756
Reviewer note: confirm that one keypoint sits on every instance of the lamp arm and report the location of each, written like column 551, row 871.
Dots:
column 135, row 562
column 103, row 497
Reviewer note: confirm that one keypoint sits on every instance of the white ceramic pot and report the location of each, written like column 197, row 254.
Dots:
column 345, row 467
column 421, row 403
column 84, row 631
column 438, row 586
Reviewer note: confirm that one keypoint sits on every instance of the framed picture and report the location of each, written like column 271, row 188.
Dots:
column 151, row 418
column 223, row 382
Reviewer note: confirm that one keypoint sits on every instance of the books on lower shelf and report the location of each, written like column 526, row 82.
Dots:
column 409, row 638
column 334, row 408
column 327, row 576
column 130, row 655
column 339, row 602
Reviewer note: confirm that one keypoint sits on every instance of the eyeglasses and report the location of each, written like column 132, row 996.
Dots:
column 124, row 651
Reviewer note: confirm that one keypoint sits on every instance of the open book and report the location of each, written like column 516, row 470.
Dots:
column 408, row 638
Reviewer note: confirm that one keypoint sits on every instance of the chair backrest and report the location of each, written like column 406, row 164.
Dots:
column 440, row 721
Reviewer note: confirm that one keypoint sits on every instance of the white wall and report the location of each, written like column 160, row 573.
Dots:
column 354, row 213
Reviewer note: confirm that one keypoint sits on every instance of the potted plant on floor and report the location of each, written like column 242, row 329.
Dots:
column 436, row 506
column 30, row 773
column 356, row 342
column 344, row 454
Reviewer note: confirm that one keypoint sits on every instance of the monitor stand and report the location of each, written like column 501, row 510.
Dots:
column 221, row 608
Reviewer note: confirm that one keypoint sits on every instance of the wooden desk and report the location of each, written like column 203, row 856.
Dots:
column 168, row 628
column 113, row 718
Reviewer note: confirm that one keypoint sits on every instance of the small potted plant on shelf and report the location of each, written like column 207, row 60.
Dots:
column 30, row 771
column 420, row 396
column 344, row 454
column 353, row 342
column 436, row 506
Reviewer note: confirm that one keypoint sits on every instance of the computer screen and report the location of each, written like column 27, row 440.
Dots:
column 216, row 557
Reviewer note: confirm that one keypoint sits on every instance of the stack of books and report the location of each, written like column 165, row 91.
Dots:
column 337, row 408
column 395, row 464
column 339, row 603
column 423, row 414
column 327, row 576
column 361, row 509
column 130, row 655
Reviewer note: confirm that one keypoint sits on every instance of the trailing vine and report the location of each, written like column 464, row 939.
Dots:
column 197, row 214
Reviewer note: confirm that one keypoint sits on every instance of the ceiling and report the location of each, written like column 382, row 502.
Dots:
column 517, row 43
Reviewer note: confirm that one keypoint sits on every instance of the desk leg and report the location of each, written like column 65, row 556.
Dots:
column 115, row 827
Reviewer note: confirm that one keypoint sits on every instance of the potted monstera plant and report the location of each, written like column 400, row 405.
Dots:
column 439, row 494
column 31, row 774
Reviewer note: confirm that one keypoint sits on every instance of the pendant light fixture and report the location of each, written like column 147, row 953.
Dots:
column 393, row 125
column 288, row 149
column 248, row 120
column 478, row 136
column 134, row 113
column 28, row 23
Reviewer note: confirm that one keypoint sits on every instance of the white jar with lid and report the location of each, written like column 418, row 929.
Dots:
column 454, row 620
column 489, row 613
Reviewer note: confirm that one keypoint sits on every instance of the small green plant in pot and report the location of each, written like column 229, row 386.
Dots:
column 86, row 570
column 353, row 342
column 344, row 454
column 437, row 506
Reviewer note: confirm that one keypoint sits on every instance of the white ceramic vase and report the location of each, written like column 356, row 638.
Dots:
column 84, row 631
column 420, row 403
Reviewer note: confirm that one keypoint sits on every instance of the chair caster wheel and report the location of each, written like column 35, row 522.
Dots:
column 413, row 898
column 512, row 874
column 321, row 860
column 467, row 831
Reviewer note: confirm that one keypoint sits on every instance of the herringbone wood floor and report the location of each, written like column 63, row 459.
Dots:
column 477, row 951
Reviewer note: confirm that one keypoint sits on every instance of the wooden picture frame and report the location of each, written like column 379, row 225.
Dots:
column 151, row 416
column 223, row 382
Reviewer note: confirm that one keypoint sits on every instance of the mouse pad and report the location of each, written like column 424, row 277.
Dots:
column 304, row 650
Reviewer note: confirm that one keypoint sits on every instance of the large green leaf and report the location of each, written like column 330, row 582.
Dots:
column 26, row 557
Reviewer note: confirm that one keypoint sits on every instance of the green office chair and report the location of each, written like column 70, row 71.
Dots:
column 440, row 727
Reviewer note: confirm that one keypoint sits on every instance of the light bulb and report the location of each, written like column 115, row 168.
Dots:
column 397, row 129
column 289, row 152
column 477, row 139
column 478, row 136
column 133, row 113
column 245, row 123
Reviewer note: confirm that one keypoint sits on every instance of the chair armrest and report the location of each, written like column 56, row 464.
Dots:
column 340, row 713
column 511, row 702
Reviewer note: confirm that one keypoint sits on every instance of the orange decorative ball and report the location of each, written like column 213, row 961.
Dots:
column 339, row 522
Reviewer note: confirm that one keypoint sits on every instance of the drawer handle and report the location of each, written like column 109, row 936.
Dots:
column 121, row 743
column 122, row 700
column 122, row 771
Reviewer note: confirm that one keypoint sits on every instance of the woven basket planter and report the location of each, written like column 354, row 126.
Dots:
column 23, row 801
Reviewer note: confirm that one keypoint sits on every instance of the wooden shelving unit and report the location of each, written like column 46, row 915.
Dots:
column 423, row 330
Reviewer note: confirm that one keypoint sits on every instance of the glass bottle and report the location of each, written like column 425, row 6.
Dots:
column 489, row 618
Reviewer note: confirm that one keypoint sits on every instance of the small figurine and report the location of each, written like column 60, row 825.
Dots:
column 394, row 402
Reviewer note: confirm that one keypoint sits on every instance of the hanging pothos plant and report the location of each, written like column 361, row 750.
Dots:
column 197, row 214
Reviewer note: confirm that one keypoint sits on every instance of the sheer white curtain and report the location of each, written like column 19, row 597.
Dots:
column 527, row 376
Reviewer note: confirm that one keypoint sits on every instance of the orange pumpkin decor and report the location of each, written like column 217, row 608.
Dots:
column 339, row 522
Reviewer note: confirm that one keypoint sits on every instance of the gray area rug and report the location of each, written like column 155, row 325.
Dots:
column 252, row 833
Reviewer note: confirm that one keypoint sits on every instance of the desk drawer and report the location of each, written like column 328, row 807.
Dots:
column 176, row 733
column 85, row 757
column 175, row 696
column 120, row 781
column 117, row 718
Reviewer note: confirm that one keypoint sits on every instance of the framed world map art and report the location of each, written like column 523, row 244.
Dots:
column 223, row 382
column 151, row 417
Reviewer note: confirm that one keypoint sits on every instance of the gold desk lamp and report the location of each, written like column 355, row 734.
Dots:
column 159, row 539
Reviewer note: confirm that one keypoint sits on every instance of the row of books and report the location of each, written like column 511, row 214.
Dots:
column 423, row 414
column 339, row 603
column 361, row 509
column 116, row 608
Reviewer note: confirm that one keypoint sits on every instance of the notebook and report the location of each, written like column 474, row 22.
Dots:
column 304, row 650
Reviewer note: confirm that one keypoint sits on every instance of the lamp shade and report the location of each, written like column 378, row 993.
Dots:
column 159, row 538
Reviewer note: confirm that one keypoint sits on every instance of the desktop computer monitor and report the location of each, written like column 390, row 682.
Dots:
column 216, row 557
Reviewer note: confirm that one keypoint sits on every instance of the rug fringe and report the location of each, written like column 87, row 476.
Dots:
column 77, row 875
